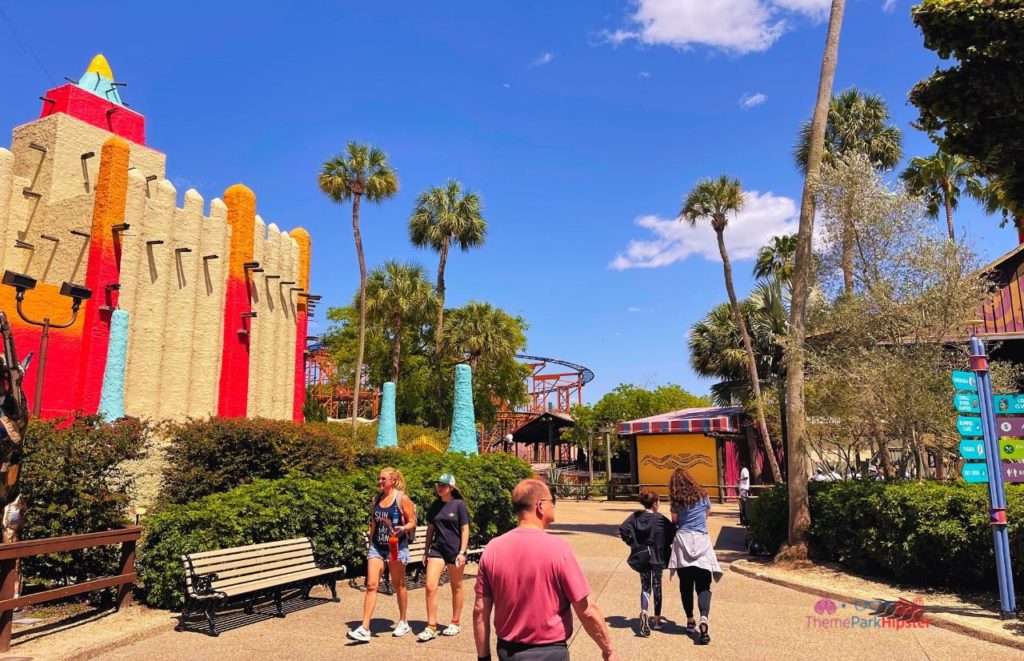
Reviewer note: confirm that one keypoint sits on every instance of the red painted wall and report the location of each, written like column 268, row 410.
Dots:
column 86, row 106
column 234, row 372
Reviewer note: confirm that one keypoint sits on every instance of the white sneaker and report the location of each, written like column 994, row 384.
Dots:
column 360, row 634
column 428, row 633
column 451, row 630
column 401, row 629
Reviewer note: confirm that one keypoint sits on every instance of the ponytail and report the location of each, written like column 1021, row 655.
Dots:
column 396, row 475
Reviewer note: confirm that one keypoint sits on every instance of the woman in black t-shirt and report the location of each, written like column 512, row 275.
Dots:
column 446, row 542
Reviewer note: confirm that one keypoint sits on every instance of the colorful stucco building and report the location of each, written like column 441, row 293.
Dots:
column 194, row 311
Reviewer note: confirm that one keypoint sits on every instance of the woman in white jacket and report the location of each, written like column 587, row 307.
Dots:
column 693, row 555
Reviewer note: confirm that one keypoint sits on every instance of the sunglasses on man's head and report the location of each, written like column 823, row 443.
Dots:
column 553, row 499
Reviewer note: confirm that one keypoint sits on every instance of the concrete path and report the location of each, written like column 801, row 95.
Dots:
column 750, row 619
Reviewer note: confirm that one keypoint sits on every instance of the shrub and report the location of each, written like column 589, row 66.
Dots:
column 72, row 483
column 332, row 511
column 214, row 455
column 919, row 532
column 218, row 454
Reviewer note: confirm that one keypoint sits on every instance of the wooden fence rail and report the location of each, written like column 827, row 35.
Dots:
column 127, row 537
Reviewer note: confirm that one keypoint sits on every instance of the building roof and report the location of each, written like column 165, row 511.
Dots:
column 537, row 429
column 686, row 421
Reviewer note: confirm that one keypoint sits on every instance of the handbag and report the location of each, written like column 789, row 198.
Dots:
column 639, row 559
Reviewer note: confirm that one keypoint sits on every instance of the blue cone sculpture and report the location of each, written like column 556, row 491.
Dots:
column 112, row 393
column 387, row 430
column 463, row 418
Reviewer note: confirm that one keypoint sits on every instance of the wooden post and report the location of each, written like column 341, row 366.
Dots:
column 124, row 591
column 8, row 581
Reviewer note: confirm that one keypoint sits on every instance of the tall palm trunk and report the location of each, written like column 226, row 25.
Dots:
column 946, row 195
column 362, row 310
column 798, row 460
column 439, row 329
column 847, row 241
column 751, row 361
column 396, row 347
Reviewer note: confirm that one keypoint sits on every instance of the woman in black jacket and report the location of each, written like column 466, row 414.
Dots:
column 649, row 536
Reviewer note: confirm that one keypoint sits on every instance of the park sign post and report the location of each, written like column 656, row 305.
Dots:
column 977, row 380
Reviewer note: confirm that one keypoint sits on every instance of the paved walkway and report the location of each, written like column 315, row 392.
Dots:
column 750, row 619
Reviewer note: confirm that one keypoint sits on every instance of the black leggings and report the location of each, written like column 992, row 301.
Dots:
column 690, row 578
column 650, row 589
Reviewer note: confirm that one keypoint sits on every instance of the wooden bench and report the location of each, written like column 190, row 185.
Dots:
column 415, row 571
column 213, row 578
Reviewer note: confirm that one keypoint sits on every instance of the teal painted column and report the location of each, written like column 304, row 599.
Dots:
column 463, row 418
column 387, row 430
column 112, row 393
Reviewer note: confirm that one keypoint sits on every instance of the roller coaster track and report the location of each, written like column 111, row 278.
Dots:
column 585, row 374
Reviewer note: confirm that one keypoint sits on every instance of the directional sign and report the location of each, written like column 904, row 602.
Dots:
column 1007, row 404
column 972, row 449
column 1012, row 472
column 968, row 426
column 966, row 402
column 1011, row 425
column 974, row 473
column 1011, row 448
column 965, row 381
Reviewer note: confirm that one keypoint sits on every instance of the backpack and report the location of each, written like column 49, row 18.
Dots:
column 411, row 536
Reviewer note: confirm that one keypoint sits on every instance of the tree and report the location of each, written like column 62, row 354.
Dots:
column 479, row 329
column 972, row 107
column 857, row 122
column 939, row 179
column 396, row 294
column 715, row 200
column 446, row 216
column 797, row 457
column 361, row 171
column 775, row 260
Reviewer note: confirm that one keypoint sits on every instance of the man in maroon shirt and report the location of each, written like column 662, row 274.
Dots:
column 530, row 579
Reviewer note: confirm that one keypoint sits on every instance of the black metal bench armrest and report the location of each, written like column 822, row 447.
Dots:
column 202, row 584
column 322, row 563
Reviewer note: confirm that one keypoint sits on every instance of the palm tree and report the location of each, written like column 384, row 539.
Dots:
column 715, row 200
column 396, row 294
column 939, row 179
column 360, row 171
column 775, row 260
column 478, row 329
column 798, row 459
column 445, row 216
column 857, row 122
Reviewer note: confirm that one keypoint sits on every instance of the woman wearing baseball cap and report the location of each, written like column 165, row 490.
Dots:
column 446, row 542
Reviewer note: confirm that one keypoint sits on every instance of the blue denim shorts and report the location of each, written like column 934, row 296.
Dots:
column 403, row 554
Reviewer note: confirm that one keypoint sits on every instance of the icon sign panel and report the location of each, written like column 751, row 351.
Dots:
column 974, row 473
column 968, row 426
column 1007, row 404
column 965, row 381
column 972, row 449
column 1010, row 425
column 1012, row 472
column 966, row 402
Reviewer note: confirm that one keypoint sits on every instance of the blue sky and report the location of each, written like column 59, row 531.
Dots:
column 582, row 125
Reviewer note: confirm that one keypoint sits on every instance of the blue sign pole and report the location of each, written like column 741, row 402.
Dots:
column 996, row 493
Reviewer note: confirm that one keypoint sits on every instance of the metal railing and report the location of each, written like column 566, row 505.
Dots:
column 127, row 537
column 584, row 491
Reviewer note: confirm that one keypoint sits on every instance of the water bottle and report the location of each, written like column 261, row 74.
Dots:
column 393, row 544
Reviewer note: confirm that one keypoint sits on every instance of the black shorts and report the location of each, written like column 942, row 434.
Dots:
column 447, row 555
column 509, row 651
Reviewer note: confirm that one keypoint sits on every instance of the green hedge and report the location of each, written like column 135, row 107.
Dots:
column 919, row 532
column 212, row 456
column 72, row 482
column 333, row 511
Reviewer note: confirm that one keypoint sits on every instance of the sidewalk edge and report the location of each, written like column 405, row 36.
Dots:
column 937, row 619
column 110, row 645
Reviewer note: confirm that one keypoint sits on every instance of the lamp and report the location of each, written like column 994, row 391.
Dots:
column 77, row 294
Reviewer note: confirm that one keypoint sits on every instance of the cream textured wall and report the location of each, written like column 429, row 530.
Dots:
column 173, row 270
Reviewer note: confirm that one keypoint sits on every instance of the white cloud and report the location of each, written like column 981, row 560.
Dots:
column 734, row 26
column 633, row 308
column 644, row 74
column 545, row 58
column 764, row 215
column 506, row 85
column 888, row 6
column 751, row 100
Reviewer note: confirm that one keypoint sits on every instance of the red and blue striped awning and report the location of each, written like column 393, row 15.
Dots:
column 725, row 419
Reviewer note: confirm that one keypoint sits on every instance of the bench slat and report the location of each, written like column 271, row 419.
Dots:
column 256, row 577
column 293, row 555
column 223, row 575
column 257, row 556
column 274, row 582
column 248, row 549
